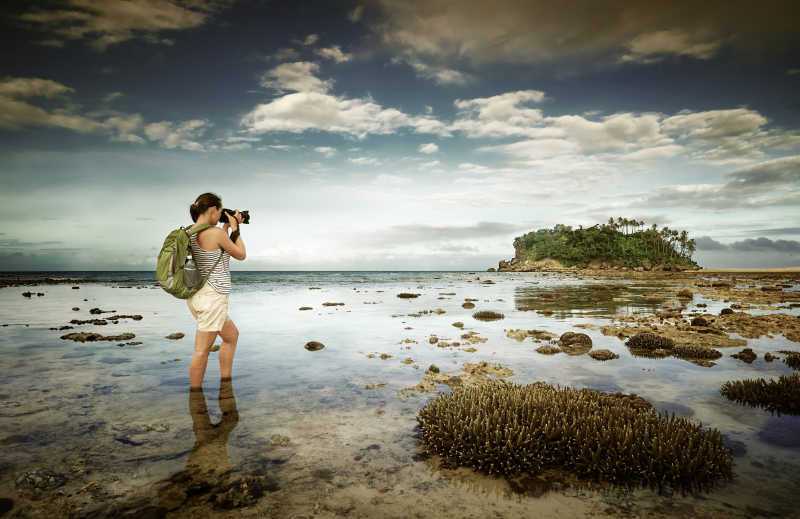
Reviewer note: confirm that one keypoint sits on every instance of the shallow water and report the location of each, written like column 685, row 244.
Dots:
column 121, row 426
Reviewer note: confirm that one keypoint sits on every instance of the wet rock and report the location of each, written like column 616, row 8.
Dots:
column 433, row 340
column 314, row 346
column 548, row 349
column 98, row 311
column 699, row 321
column 305, row 308
column 685, row 294
column 92, row 337
column 174, row 336
column 603, row 355
column 747, row 355
column 573, row 343
column 75, row 308
column 458, row 324
column 118, row 317
column 27, row 294
column 406, row 295
column 487, row 315
column 385, row 356
column 332, row 304
column 39, row 294
column 726, row 311
column 42, row 479
column 97, row 322
column 538, row 335
column 433, row 368
column 63, row 328
column 769, row 357
column 468, row 305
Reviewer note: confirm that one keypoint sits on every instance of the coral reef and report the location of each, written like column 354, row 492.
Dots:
column 504, row 428
column 487, row 315
column 603, row 355
column 650, row 341
column 687, row 351
column 792, row 359
column 538, row 335
column 548, row 349
column 781, row 396
column 747, row 355
column 573, row 343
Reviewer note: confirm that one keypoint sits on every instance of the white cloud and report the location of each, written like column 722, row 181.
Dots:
column 298, row 76
column 714, row 124
column 618, row 132
column 285, row 54
column 391, row 180
column 536, row 148
column 503, row 115
column 24, row 87
column 326, row 150
column 356, row 14
column 654, row 46
column 311, row 39
column 365, row 161
column 431, row 164
column 108, row 23
column 15, row 113
column 428, row 148
column 173, row 135
column 304, row 111
column 335, row 53
column 656, row 153
column 123, row 128
column 112, row 96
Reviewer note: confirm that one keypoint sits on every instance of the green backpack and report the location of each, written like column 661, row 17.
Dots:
column 175, row 273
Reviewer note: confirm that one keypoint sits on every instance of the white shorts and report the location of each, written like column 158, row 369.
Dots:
column 210, row 308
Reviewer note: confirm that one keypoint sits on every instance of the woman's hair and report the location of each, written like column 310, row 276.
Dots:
column 202, row 203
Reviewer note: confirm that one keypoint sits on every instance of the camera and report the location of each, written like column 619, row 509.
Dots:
column 224, row 217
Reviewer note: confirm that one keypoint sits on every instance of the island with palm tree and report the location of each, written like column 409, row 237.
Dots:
column 620, row 243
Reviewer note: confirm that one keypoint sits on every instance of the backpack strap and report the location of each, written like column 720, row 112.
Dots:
column 199, row 228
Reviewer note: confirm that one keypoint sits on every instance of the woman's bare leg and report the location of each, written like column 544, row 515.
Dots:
column 197, row 368
column 230, row 336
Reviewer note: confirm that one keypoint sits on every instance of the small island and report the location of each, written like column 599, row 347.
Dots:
column 618, row 244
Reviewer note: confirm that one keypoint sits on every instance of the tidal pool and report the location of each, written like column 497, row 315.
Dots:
column 96, row 430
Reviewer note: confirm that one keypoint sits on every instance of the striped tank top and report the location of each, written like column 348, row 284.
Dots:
column 220, row 278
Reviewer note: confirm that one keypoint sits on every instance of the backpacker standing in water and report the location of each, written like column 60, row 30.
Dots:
column 209, row 305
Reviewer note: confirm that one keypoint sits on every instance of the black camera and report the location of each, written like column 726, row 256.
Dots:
column 224, row 217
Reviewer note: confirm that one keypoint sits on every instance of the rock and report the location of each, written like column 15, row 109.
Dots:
column 385, row 356
column 458, row 324
column 76, row 288
column 725, row 311
column 97, row 322
column 332, row 304
column 491, row 269
column 468, row 305
column 548, row 349
column 75, row 308
column 769, row 357
column 487, row 315
column 575, row 343
column 406, row 295
column 39, row 294
column 92, row 337
column 174, row 336
column 747, row 355
column 243, row 492
column 276, row 440
column 603, row 355
column 98, row 311
column 27, row 294
column 433, row 368
column 305, row 308
column 685, row 294
column 42, row 479
column 314, row 346
column 117, row 317
column 699, row 321
column 438, row 311
column 433, row 340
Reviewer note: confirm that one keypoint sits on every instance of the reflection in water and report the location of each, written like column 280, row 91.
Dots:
column 208, row 471
column 590, row 300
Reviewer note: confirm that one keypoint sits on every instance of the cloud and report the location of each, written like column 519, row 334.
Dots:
column 709, row 243
column 439, row 74
column 24, row 87
column 655, row 46
column 778, row 230
column 104, row 23
column 793, row 71
column 356, row 14
column 123, row 128
column 16, row 112
column 178, row 135
column 542, row 31
column 311, row 39
column 714, row 125
column 656, row 153
column 326, row 150
column 429, row 165
column 503, row 115
column 365, row 161
column 404, row 235
column 428, row 148
column 298, row 76
column 303, row 111
column 387, row 180
column 112, row 97
column 285, row 54
column 335, row 53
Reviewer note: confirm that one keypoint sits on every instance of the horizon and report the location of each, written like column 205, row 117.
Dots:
column 421, row 135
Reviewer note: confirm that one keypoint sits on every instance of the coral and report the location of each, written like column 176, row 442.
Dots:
column 575, row 343
column 603, row 355
column 699, row 321
column 782, row 396
column 505, row 428
column 747, row 355
column 792, row 360
column 487, row 315
column 687, row 351
column 725, row 311
column 685, row 294
column 650, row 341
column 548, row 349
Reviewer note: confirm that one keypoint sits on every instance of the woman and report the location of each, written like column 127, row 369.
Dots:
column 210, row 304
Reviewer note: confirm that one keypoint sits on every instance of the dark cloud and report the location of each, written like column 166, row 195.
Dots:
column 765, row 244
column 709, row 243
column 779, row 230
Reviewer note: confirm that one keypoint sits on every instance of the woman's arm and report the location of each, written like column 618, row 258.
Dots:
column 236, row 250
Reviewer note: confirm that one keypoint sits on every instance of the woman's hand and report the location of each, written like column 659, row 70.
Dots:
column 235, row 220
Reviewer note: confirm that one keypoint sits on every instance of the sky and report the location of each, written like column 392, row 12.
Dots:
column 395, row 135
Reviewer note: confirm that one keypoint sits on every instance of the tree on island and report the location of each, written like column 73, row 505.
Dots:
column 620, row 242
